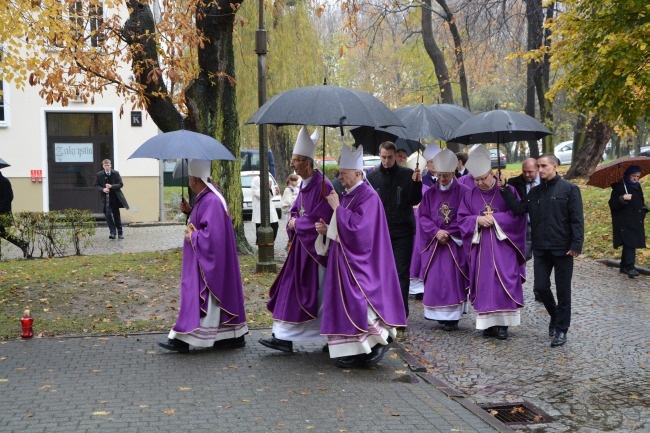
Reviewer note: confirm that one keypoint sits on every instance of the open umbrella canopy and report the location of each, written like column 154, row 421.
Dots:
column 4, row 164
column 607, row 174
column 325, row 105
column 435, row 122
column 499, row 126
column 371, row 138
column 183, row 144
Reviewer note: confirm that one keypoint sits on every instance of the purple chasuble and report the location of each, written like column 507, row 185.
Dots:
column 444, row 267
column 294, row 293
column 210, row 264
column 467, row 180
column 497, row 268
column 415, row 271
column 361, row 268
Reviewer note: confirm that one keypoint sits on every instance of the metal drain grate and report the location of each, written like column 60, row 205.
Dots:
column 517, row 413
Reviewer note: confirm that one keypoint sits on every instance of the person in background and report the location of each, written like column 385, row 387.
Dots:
column 296, row 294
column 460, row 168
column 362, row 298
column 628, row 213
column 109, row 183
column 399, row 189
column 256, row 190
column 402, row 156
column 429, row 177
column 528, row 179
column 444, row 266
column 289, row 197
column 557, row 234
column 6, row 217
column 494, row 240
column 211, row 312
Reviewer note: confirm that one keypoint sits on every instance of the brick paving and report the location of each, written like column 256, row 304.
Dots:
column 598, row 382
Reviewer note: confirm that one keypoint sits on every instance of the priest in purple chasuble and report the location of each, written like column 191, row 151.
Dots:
column 296, row 294
column 416, row 285
column 494, row 240
column 444, row 267
column 211, row 294
column 362, row 303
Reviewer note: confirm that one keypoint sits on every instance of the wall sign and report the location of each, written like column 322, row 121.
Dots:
column 73, row 152
column 136, row 118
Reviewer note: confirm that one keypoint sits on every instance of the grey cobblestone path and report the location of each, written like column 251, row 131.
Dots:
column 597, row 382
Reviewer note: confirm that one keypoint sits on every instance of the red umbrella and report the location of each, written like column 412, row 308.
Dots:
column 612, row 172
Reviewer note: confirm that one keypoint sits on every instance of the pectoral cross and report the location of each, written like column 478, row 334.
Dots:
column 301, row 212
column 445, row 210
column 488, row 210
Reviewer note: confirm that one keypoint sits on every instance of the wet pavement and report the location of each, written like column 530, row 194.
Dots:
column 597, row 382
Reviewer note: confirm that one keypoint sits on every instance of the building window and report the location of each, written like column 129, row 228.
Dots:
column 86, row 22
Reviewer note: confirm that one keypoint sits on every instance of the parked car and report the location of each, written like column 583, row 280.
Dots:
column 370, row 162
column 564, row 152
column 643, row 151
column 328, row 161
column 250, row 160
column 493, row 158
column 247, row 206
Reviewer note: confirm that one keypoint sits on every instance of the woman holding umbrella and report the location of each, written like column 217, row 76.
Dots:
column 628, row 212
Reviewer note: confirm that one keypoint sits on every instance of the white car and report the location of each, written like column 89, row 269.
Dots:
column 564, row 152
column 247, row 206
column 370, row 162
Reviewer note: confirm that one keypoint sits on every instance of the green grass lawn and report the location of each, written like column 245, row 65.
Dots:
column 138, row 292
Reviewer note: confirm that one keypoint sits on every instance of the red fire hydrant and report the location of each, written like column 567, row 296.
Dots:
column 27, row 321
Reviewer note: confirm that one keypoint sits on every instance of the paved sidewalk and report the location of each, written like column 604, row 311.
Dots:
column 129, row 384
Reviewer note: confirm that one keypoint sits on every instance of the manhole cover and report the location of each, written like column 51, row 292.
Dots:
column 517, row 413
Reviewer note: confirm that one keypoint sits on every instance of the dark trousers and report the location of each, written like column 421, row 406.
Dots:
column 112, row 214
column 628, row 257
column 546, row 261
column 402, row 250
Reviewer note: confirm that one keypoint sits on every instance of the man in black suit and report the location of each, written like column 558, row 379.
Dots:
column 109, row 183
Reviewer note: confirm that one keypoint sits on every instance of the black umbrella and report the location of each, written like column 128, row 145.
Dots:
column 325, row 105
column 371, row 138
column 4, row 164
column 437, row 122
column 499, row 126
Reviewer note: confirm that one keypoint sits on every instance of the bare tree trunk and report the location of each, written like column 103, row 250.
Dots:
column 282, row 144
column 587, row 156
column 534, row 17
column 436, row 56
column 455, row 34
column 542, row 84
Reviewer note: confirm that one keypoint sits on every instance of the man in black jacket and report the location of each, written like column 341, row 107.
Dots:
column 399, row 188
column 109, row 183
column 557, row 232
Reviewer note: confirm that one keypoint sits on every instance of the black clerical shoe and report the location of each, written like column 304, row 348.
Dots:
column 490, row 332
column 450, row 325
column 175, row 344
column 352, row 361
column 120, row 236
column 111, row 236
column 502, row 332
column 419, row 296
column 230, row 343
column 277, row 344
column 559, row 339
column 632, row 273
column 376, row 354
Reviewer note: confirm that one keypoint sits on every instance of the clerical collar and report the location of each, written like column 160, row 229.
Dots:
column 305, row 182
column 445, row 188
column 349, row 190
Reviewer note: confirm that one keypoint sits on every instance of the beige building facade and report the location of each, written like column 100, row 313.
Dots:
column 55, row 153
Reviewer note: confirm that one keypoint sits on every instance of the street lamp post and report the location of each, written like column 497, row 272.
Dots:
column 265, row 242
